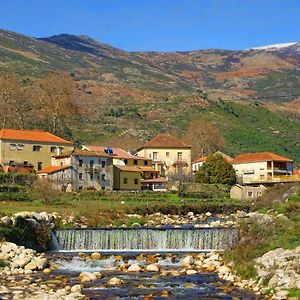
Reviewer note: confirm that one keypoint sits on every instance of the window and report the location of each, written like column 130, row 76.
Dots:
column 80, row 188
column 53, row 149
column 135, row 162
column 12, row 147
column 40, row 166
column 154, row 155
column 91, row 176
column 20, row 147
column 167, row 154
column 80, row 176
column 250, row 194
column 91, row 163
column 60, row 150
column 125, row 180
column 11, row 162
column 262, row 176
column 103, row 177
column 36, row 148
column 125, row 161
column 179, row 155
column 136, row 181
column 80, row 162
column 145, row 162
column 61, row 163
column 25, row 163
column 103, row 164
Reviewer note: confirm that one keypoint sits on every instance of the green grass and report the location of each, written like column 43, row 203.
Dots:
column 102, row 209
column 256, row 240
column 294, row 293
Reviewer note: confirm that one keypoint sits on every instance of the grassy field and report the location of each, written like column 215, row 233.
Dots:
column 101, row 209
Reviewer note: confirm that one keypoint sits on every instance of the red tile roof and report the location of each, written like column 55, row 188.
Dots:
column 117, row 152
column 53, row 169
column 259, row 156
column 31, row 135
column 129, row 168
column 165, row 140
column 78, row 152
column 155, row 180
column 200, row 159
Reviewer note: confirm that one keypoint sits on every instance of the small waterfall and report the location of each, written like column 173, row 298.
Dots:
column 145, row 238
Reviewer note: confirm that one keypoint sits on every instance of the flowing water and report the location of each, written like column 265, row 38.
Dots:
column 146, row 239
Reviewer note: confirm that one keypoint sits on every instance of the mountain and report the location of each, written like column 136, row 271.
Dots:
column 251, row 95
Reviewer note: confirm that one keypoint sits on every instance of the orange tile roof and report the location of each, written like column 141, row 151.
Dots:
column 155, row 180
column 259, row 156
column 165, row 140
column 129, row 168
column 78, row 152
column 200, row 159
column 52, row 169
column 117, row 152
column 31, row 135
column 147, row 169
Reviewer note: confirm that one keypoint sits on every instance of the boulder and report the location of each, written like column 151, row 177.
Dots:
column 134, row 268
column 187, row 261
column 31, row 266
column 96, row 255
column 6, row 221
column 76, row 288
column 191, row 272
column 153, row 268
column 115, row 281
column 87, row 276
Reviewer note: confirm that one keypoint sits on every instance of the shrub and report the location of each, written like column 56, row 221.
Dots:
column 216, row 170
column 45, row 191
column 14, row 197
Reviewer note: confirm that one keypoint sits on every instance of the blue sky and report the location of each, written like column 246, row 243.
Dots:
column 159, row 25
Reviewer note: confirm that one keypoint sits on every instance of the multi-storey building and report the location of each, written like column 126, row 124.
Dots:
column 170, row 156
column 30, row 147
column 80, row 169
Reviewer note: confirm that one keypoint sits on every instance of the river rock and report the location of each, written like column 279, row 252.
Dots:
column 187, row 261
column 115, row 281
column 191, row 272
column 76, row 288
column 6, row 221
column 96, row 255
column 3, row 289
column 153, row 268
column 134, row 268
column 87, row 276
column 31, row 266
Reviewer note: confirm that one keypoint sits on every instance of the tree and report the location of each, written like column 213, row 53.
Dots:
column 55, row 101
column 204, row 138
column 15, row 103
column 216, row 170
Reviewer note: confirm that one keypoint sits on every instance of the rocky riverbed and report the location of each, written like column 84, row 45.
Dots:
column 26, row 274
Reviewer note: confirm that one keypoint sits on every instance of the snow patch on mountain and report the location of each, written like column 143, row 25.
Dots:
column 273, row 46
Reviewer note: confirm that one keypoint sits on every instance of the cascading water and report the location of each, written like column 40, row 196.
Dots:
column 146, row 239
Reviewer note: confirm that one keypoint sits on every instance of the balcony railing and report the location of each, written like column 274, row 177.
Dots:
column 270, row 179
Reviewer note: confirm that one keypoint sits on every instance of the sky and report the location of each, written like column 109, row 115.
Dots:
column 159, row 25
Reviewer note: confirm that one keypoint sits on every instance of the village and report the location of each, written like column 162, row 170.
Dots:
column 159, row 165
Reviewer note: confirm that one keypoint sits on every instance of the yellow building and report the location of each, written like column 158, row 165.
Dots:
column 25, row 147
column 127, row 178
column 169, row 155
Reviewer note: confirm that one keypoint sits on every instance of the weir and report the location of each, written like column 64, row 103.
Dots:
column 146, row 239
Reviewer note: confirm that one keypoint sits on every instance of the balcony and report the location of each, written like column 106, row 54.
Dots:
column 270, row 179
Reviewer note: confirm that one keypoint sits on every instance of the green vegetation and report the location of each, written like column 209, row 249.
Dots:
column 252, row 127
column 294, row 293
column 258, row 239
column 216, row 170
column 102, row 209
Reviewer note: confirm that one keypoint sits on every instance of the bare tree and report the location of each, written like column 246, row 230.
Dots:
column 204, row 138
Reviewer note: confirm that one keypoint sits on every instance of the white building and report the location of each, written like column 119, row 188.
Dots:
column 262, row 167
column 169, row 155
column 80, row 169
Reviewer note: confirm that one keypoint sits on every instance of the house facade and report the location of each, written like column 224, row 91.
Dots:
column 198, row 163
column 247, row 192
column 30, row 147
column 262, row 167
column 81, row 169
column 169, row 155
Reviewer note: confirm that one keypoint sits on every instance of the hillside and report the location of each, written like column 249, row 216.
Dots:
column 137, row 94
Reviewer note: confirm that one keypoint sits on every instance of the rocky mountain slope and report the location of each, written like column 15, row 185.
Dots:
column 141, row 93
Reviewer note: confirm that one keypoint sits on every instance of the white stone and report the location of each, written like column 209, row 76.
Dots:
column 153, row 268
column 115, row 281
column 187, row 261
column 134, row 268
